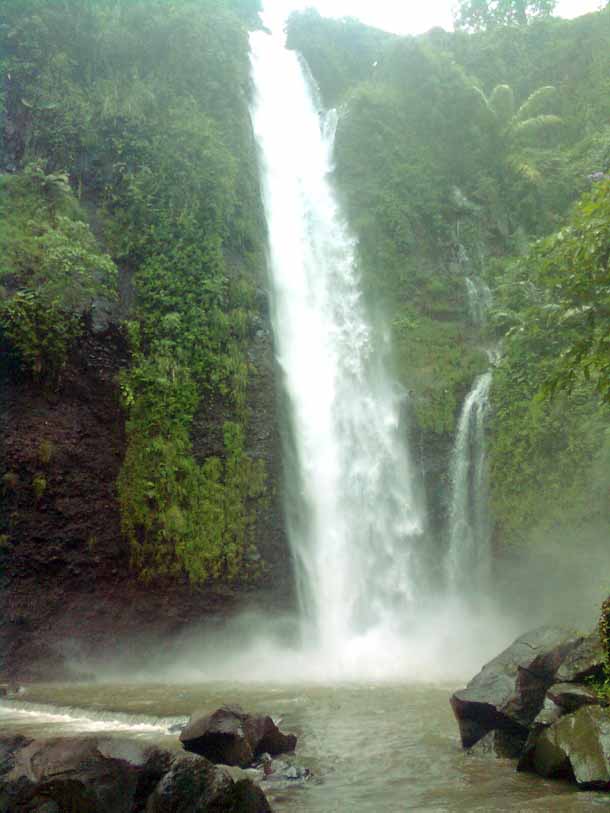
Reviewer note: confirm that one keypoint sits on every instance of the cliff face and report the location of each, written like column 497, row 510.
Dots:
column 67, row 588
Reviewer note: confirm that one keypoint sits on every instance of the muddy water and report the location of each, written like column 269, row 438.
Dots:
column 371, row 748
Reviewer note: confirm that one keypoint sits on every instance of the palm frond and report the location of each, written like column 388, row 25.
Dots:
column 502, row 102
column 538, row 102
column 530, row 129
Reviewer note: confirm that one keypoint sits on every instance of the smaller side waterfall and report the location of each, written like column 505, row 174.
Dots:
column 468, row 560
column 469, row 556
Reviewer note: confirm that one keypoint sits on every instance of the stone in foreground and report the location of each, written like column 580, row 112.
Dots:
column 509, row 691
column 194, row 785
column 229, row 736
column 577, row 746
column 113, row 775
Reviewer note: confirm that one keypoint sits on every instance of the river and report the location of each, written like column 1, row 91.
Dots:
column 371, row 748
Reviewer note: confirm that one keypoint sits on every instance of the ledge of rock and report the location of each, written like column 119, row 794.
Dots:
column 229, row 736
column 98, row 775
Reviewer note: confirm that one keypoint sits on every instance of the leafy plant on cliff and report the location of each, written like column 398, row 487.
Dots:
column 52, row 269
column 550, row 455
column 142, row 107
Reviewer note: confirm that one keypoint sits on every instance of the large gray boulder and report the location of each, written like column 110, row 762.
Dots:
column 229, row 736
column 578, row 746
column 509, row 692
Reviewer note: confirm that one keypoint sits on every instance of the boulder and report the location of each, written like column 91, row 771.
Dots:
column 98, row 775
column 570, row 697
column 509, row 691
column 583, row 662
column 84, row 774
column 578, row 745
column 498, row 745
column 229, row 736
column 194, row 785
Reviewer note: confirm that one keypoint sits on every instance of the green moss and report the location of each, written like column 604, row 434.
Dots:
column 39, row 485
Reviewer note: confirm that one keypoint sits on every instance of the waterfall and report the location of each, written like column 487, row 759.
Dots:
column 355, row 536
column 479, row 301
column 468, row 561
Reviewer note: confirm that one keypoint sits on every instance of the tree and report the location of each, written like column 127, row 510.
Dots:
column 478, row 15
column 515, row 128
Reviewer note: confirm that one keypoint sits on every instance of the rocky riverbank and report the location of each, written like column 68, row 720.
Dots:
column 536, row 703
column 98, row 775
column 102, row 774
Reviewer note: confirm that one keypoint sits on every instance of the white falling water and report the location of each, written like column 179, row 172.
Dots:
column 469, row 554
column 354, row 546
column 479, row 300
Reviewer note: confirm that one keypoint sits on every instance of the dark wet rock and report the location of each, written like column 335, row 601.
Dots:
column 570, row 697
column 99, row 775
column 577, row 746
column 585, row 661
column 548, row 714
column 194, row 785
column 9, row 746
column 498, row 745
column 509, row 691
column 86, row 774
column 229, row 736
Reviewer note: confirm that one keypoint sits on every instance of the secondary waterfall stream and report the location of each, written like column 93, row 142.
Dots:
column 354, row 541
column 468, row 560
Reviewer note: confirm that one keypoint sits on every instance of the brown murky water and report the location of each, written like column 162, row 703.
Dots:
column 371, row 748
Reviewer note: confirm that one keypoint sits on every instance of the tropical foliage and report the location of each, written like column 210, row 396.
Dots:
column 138, row 110
column 476, row 15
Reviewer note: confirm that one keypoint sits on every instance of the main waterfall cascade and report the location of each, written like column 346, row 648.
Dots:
column 355, row 548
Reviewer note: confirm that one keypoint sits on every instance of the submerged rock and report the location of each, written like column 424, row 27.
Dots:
column 229, row 736
column 578, row 746
column 509, row 691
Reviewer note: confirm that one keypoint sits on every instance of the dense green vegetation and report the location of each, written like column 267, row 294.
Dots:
column 133, row 116
column 484, row 14
column 476, row 147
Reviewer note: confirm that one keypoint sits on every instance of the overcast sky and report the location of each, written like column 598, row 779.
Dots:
column 412, row 16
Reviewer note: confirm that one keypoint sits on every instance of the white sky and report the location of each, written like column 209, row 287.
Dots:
column 411, row 16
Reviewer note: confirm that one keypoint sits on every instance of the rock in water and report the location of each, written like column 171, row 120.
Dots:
column 229, row 736
column 499, row 745
column 108, row 775
column 578, row 745
column 509, row 691
column 194, row 785
column 84, row 774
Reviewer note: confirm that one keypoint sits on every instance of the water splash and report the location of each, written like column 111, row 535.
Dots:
column 356, row 534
